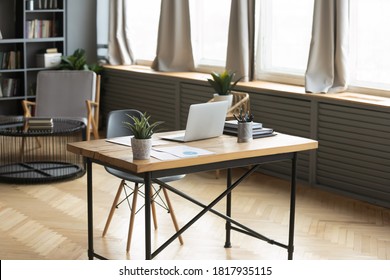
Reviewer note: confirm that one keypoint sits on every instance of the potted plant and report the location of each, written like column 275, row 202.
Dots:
column 78, row 61
column 142, row 130
column 223, row 84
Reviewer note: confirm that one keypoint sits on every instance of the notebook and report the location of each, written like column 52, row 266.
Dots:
column 205, row 120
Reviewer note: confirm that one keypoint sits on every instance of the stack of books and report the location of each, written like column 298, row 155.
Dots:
column 40, row 123
column 259, row 131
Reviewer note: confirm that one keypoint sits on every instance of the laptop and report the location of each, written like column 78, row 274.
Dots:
column 205, row 120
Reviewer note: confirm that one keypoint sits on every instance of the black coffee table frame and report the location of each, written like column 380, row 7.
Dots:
column 31, row 156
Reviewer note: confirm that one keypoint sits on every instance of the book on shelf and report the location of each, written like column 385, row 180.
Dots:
column 48, row 4
column 38, row 28
column 1, row 59
column 1, row 35
column 10, row 60
column 10, row 86
column 4, row 59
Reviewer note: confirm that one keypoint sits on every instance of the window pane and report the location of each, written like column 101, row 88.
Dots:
column 144, row 17
column 102, row 11
column 209, row 30
column 370, row 43
column 284, row 38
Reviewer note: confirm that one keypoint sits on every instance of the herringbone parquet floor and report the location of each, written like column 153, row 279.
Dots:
column 49, row 222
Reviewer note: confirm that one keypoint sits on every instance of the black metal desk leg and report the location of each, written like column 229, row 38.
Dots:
column 292, row 207
column 90, row 209
column 228, row 225
column 148, row 247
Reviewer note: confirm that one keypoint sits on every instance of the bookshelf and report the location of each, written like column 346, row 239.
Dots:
column 28, row 28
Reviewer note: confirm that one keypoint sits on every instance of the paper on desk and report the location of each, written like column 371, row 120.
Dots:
column 183, row 151
column 125, row 140
column 162, row 155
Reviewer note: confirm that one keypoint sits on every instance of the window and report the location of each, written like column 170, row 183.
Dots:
column 283, row 34
column 102, row 27
column 283, row 39
column 370, row 44
column 143, row 19
column 209, row 31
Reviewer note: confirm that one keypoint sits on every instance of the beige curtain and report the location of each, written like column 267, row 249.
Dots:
column 174, row 49
column 327, row 63
column 119, row 47
column 240, row 50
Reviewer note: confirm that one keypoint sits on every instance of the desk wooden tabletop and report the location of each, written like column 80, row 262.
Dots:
column 224, row 148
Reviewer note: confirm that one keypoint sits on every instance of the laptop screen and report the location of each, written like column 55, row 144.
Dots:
column 205, row 120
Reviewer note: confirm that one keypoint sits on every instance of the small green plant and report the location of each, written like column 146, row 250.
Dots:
column 78, row 61
column 140, row 127
column 223, row 83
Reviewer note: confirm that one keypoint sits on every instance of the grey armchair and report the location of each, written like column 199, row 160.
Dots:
column 69, row 94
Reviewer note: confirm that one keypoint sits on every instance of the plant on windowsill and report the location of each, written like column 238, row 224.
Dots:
column 223, row 84
column 142, row 130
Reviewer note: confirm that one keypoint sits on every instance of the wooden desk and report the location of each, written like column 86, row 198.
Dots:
column 228, row 154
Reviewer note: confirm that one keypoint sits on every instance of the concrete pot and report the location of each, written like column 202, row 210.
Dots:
column 141, row 148
column 244, row 132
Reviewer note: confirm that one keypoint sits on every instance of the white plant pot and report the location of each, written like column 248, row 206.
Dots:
column 141, row 148
column 227, row 97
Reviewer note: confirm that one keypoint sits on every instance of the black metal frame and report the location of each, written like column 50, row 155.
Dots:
column 231, row 224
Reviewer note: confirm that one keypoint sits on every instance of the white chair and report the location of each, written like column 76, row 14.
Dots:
column 72, row 94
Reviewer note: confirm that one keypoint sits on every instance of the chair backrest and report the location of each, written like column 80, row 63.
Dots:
column 240, row 101
column 115, row 119
column 63, row 93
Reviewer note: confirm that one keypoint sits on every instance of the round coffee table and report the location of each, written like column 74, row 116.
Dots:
column 36, row 155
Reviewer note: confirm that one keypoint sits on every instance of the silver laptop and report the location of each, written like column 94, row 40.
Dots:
column 205, row 120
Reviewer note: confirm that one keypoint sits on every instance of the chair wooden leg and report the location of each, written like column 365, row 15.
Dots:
column 217, row 172
column 132, row 217
column 113, row 207
column 172, row 213
column 153, row 205
column 134, row 210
